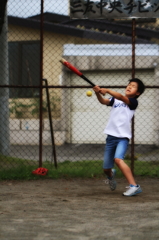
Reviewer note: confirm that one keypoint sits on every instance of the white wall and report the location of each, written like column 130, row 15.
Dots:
column 89, row 117
column 109, row 65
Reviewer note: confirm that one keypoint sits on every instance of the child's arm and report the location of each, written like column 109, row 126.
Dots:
column 116, row 95
column 99, row 97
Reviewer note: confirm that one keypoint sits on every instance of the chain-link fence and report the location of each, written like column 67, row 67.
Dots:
column 45, row 113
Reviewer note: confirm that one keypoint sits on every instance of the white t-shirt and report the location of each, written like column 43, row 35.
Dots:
column 120, row 118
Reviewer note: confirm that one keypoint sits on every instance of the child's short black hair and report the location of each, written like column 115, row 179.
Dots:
column 141, row 86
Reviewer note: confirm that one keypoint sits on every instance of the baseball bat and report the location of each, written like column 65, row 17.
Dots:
column 75, row 70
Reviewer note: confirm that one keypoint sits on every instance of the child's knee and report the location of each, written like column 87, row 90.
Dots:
column 107, row 171
column 118, row 161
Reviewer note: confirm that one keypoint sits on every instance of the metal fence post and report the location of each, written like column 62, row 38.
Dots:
column 133, row 76
column 4, row 93
column 41, row 85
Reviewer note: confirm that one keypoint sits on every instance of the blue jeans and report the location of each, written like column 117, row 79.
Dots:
column 115, row 148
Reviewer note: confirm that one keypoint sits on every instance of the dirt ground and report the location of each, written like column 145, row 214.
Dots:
column 78, row 210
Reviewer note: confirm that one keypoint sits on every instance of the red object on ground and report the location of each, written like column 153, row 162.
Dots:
column 40, row 171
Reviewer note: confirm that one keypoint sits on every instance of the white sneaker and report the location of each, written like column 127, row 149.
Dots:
column 112, row 182
column 132, row 190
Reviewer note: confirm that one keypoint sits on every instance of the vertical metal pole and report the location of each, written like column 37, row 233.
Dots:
column 51, row 123
column 41, row 85
column 133, row 76
column 4, row 92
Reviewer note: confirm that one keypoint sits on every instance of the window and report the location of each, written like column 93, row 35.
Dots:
column 24, row 68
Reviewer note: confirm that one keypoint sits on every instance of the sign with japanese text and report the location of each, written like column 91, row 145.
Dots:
column 114, row 9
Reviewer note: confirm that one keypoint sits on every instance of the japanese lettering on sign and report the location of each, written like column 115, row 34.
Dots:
column 114, row 9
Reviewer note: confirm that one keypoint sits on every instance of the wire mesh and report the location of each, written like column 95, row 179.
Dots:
column 102, row 51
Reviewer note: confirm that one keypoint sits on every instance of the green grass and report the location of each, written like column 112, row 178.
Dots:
column 20, row 169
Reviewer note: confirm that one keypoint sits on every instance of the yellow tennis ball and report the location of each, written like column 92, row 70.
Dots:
column 89, row 93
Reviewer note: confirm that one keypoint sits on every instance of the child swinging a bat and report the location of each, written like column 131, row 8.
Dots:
column 118, row 127
column 118, row 131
